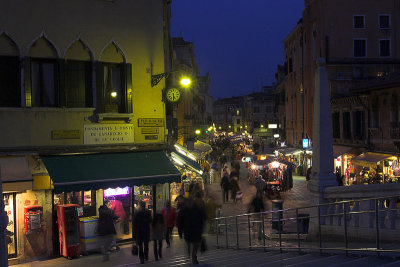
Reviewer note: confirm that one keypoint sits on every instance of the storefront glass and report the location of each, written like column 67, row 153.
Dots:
column 85, row 200
column 9, row 208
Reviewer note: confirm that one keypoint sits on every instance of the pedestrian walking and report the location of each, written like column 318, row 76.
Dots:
column 256, row 206
column 106, row 228
column 157, row 234
column 170, row 215
column 260, row 185
column 190, row 223
column 234, row 184
column 225, row 185
column 141, row 225
column 118, row 210
column 211, row 209
column 214, row 172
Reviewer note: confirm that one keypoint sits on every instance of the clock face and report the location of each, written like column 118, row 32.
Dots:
column 173, row 95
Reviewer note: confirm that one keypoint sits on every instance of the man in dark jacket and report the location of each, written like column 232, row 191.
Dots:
column 106, row 227
column 225, row 185
column 141, row 226
column 191, row 219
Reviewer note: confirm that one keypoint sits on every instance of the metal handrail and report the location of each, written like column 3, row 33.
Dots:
column 260, row 218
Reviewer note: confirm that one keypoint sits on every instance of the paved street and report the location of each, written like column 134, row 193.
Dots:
column 298, row 196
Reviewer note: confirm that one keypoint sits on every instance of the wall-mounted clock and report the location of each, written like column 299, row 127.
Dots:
column 173, row 95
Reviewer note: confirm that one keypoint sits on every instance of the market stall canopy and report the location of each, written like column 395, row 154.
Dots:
column 270, row 160
column 15, row 174
column 95, row 171
column 183, row 161
column 369, row 159
column 184, row 151
column 202, row 147
column 341, row 150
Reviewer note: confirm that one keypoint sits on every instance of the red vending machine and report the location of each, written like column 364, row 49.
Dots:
column 68, row 230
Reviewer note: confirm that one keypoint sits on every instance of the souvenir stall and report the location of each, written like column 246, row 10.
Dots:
column 277, row 174
column 191, row 179
column 374, row 168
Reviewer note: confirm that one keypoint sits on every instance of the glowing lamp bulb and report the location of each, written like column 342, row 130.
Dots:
column 114, row 94
column 185, row 81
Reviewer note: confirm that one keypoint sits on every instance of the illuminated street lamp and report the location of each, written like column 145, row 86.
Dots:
column 114, row 94
column 198, row 131
column 185, row 82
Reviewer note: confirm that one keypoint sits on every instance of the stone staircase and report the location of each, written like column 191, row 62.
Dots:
column 231, row 257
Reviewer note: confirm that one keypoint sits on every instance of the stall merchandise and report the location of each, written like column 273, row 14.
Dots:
column 276, row 172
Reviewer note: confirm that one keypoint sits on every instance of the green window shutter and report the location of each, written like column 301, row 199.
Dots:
column 28, row 83
column 59, row 86
column 88, row 84
column 100, row 87
column 126, row 92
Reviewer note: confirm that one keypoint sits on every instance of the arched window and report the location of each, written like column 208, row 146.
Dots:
column 113, row 81
column 42, row 75
column 77, row 76
column 10, row 89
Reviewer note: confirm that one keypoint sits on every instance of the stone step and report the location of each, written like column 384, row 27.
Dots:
column 322, row 261
column 370, row 261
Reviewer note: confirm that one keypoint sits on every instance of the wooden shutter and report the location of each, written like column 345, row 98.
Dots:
column 100, row 87
column 126, row 94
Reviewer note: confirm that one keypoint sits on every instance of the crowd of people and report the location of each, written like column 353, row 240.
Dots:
column 190, row 220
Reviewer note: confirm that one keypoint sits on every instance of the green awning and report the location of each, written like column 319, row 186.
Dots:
column 96, row 171
column 183, row 160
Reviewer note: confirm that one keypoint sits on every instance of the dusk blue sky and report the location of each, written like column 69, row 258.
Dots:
column 238, row 41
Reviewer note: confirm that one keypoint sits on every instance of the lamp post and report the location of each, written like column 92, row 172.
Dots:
column 3, row 226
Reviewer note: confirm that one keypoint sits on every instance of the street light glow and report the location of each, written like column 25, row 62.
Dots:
column 185, row 82
column 198, row 131
column 113, row 94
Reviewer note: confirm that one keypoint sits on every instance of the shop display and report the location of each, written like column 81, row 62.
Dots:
column 143, row 193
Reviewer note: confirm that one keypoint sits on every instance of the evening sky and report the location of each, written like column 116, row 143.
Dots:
column 238, row 41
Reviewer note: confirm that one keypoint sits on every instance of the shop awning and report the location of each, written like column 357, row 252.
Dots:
column 95, row 171
column 183, row 161
column 15, row 174
column 369, row 159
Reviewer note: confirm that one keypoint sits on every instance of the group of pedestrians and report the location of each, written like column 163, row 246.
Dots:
column 230, row 182
column 145, row 228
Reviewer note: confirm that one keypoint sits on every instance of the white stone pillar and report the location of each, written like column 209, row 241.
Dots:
column 3, row 226
column 322, row 168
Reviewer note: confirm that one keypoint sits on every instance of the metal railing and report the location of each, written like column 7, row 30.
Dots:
column 245, row 226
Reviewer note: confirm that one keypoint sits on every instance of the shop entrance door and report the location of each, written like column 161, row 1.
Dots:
column 121, row 204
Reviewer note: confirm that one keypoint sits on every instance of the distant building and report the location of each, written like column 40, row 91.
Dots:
column 195, row 110
column 359, row 41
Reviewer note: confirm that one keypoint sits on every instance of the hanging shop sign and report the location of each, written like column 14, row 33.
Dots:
column 305, row 143
column 95, row 134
